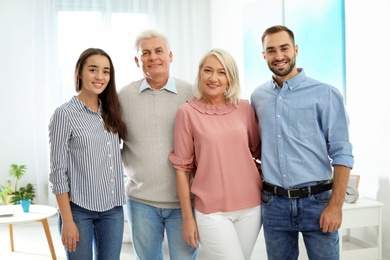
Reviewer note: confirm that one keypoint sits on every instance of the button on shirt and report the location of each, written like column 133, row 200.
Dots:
column 85, row 158
column 304, row 131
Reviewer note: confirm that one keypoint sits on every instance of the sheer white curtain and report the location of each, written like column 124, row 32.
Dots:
column 113, row 26
column 40, row 50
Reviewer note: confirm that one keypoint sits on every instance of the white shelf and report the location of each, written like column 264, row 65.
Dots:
column 352, row 243
column 364, row 213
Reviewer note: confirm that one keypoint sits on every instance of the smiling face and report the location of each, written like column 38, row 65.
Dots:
column 154, row 58
column 95, row 75
column 213, row 81
column 280, row 54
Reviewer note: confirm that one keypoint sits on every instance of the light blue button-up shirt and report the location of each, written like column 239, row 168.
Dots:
column 304, row 131
column 170, row 86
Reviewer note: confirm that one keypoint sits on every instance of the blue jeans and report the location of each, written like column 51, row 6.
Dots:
column 101, row 233
column 147, row 227
column 284, row 218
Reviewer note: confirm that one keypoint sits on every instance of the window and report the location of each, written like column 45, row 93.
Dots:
column 319, row 32
column 113, row 32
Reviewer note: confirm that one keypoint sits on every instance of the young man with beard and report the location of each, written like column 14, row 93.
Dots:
column 306, row 154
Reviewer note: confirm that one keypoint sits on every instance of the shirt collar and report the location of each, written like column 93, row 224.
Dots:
column 294, row 82
column 170, row 86
column 80, row 105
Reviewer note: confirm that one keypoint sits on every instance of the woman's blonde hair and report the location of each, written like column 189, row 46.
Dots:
column 232, row 92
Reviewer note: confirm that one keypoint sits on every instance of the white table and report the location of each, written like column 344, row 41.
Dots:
column 364, row 214
column 38, row 213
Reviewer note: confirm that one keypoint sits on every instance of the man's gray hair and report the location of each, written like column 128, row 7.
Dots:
column 148, row 34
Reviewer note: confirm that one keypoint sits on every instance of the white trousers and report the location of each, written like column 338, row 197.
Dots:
column 229, row 235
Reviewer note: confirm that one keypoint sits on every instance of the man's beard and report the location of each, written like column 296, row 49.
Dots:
column 284, row 72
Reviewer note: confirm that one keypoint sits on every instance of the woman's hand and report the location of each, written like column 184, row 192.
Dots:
column 190, row 232
column 69, row 236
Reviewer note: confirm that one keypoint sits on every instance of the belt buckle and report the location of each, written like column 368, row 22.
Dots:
column 289, row 194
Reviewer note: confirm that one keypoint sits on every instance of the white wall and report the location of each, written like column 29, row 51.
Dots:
column 22, row 135
column 368, row 91
column 23, row 132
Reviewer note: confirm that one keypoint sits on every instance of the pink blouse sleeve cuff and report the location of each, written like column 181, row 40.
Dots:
column 256, row 151
column 181, row 164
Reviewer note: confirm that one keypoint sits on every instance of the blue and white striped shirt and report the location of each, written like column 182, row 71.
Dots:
column 85, row 158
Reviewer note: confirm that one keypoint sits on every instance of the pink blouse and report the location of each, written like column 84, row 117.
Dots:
column 218, row 145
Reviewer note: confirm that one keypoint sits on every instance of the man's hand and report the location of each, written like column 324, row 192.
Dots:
column 332, row 215
column 331, row 219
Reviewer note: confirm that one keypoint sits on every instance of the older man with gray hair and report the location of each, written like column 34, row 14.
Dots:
column 149, row 111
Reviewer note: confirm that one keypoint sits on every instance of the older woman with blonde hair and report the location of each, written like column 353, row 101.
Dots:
column 215, row 144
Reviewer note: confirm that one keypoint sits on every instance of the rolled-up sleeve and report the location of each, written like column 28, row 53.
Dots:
column 59, row 134
column 183, row 156
column 336, row 122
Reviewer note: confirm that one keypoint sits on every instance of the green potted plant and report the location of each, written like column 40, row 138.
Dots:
column 5, row 191
column 23, row 195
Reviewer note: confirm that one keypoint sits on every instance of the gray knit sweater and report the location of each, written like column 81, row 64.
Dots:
column 150, row 120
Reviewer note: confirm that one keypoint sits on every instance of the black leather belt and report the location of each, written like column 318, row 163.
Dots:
column 299, row 192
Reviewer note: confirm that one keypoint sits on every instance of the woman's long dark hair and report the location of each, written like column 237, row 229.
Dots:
column 112, row 110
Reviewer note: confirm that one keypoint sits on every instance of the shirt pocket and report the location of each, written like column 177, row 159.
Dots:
column 301, row 123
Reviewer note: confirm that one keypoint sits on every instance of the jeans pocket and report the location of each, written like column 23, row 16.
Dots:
column 322, row 197
column 266, row 198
